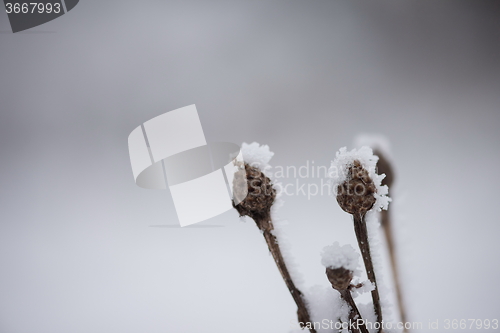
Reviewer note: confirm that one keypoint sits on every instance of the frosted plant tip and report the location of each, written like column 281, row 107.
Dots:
column 340, row 263
column 340, row 278
column 356, row 194
column 336, row 256
column 261, row 194
column 355, row 182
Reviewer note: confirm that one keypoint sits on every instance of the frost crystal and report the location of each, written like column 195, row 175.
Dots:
column 366, row 286
column 344, row 160
column 336, row 256
column 256, row 155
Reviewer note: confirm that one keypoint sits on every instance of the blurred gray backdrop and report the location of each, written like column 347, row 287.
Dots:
column 83, row 249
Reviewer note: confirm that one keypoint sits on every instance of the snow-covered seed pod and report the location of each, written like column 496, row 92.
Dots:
column 261, row 194
column 341, row 263
column 340, row 278
column 356, row 194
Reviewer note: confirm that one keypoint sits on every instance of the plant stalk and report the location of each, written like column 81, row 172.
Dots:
column 266, row 226
column 364, row 246
column 346, row 296
column 387, row 226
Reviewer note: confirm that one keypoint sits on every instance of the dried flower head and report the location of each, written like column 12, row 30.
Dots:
column 341, row 264
column 356, row 194
column 340, row 278
column 355, row 182
column 260, row 197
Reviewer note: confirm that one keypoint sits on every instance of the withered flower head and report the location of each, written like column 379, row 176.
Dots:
column 261, row 194
column 356, row 194
column 340, row 277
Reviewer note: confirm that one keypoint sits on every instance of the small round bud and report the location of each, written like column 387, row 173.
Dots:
column 261, row 194
column 340, row 263
column 356, row 194
column 340, row 278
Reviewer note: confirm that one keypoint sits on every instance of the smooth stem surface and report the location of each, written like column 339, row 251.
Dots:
column 346, row 295
column 302, row 312
column 387, row 225
column 364, row 246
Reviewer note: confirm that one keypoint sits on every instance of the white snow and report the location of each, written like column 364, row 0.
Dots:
column 340, row 166
column 324, row 305
column 257, row 155
column 367, row 286
column 368, row 314
column 336, row 256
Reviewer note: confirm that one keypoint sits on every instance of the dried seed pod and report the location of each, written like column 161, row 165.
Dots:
column 356, row 194
column 340, row 278
column 260, row 197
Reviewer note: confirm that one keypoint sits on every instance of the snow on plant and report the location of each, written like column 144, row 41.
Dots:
column 382, row 148
column 257, row 156
column 341, row 263
column 355, row 170
column 359, row 191
column 336, row 256
column 260, row 204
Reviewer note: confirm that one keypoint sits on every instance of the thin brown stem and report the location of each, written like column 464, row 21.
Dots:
column 266, row 226
column 384, row 166
column 354, row 315
column 364, row 246
column 387, row 226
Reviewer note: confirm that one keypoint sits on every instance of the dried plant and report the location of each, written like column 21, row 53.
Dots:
column 357, row 189
column 385, row 167
column 257, row 205
column 355, row 196
column 340, row 263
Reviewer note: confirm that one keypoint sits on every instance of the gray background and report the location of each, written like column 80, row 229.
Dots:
column 78, row 248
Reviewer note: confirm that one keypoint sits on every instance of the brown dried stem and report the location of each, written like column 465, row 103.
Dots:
column 302, row 312
column 341, row 278
column 384, row 167
column 257, row 205
column 356, row 197
column 354, row 314
column 364, row 246
column 387, row 226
